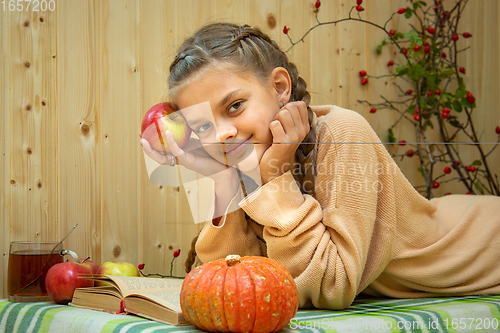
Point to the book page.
(169, 298)
(137, 285)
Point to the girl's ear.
(282, 84)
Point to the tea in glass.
(28, 266)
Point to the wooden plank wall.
(76, 82)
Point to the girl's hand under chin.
(289, 128)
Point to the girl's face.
(233, 126)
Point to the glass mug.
(28, 266)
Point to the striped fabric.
(458, 314)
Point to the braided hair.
(249, 50)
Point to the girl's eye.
(234, 107)
(203, 128)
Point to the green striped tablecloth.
(458, 314)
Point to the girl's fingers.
(277, 131)
(156, 156)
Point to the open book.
(152, 298)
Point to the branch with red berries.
(430, 66)
(175, 255)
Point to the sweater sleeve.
(325, 241)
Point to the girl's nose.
(225, 131)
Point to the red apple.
(93, 266)
(157, 120)
(62, 280)
(121, 268)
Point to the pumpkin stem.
(233, 259)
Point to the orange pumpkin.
(239, 294)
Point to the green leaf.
(447, 73)
(455, 123)
(401, 70)
(457, 106)
(460, 93)
(465, 102)
(392, 138)
(411, 109)
(478, 187)
(477, 162)
(408, 12)
(415, 72)
(411, 34)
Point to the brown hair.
(247, 49)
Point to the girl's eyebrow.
(227, 98)
(220, 105)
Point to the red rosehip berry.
(359, 8)
(468, 193)
(405, 51)
(437, 92)
(362, 73)
(467, 168)
(448, 193)
(373, 110)
(436, 9)
(176, 253)
(497, 130)
(469, 94)
(318, 3)
(471, 100)
(447, 170)
(390, 63)
(427, 49)
(417, 111)
(392, 32)
(430, 93)
(409, 92)
(461, 70)
(443, 55)
(455, 37)
(426, 44)
(409, 152)
(416, 117)
(472, 168)
(435, 184)
(359, 2)
(431, 30)
(364, 81)
(401, 10)
(457, 163)
(402, 143)
(285, 30)
(466, 35)
(446, 110)
(445, 115)
(417, 48)
(140, 266)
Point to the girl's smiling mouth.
(234, 148)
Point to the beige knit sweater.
(366, 230)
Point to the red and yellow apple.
(93, 266)
(62, 279)
(157, 120)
